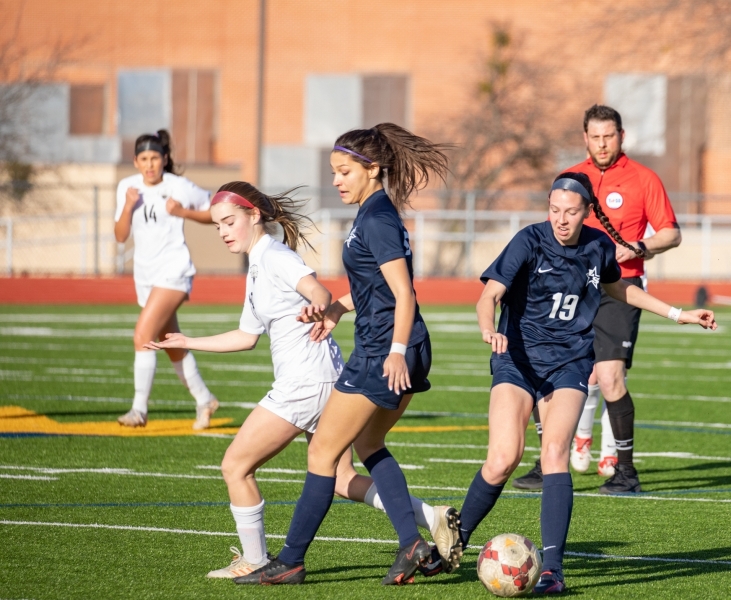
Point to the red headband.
(231, 198)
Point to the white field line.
(651, 328)
(51, 332)
(17, 375)
(34, 477)
(103, 399)
(66, 348)
(466, 461)
(332, 539)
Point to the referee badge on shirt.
(614, 200)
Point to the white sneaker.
(606, 466)
(445, 533)
(133, 418)
(203, 415)
(581, 454)
(238, 567)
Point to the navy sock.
(556, 504)
(317, 496)
(481, 497)
(394, 493)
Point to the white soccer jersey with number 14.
(272, 303)
(160, 250)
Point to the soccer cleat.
(551, 582)
(624, 481)
(238, 567)
(532, 480)
(606, 466)
(407, 562)
(581, 454)
(445, 533)
(275, 572)
(433, 565)
(204, 413)
(133, 418)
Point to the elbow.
(678, 238)
(120, 237)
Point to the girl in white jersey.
(280, 288)
(152, 205)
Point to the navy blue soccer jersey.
(378, 236)
(553, 295)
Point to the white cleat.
(445, 533)
(581, 454)
(238, 567)
(606, 466)
(203, 415)
(133, 418)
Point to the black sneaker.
(274, 572)
(532, 480)
(407, 562)
(433, 565)
(551, 582)
(624, 481)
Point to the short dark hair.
(599, 112)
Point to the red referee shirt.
(631, 196)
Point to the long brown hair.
(403, 158)
(585, 182)
(279, 208)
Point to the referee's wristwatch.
(643, 247)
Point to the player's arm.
(396, 274)
(319, 298)
(123, 226)
(231, 341)
(637, 297)
(176, 209)
(331, 318)
(491, 296)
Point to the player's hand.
(173, 340)
(397, 371)
(312, 313)
(321, 329)
(175, 208)
(700, 316)
(131, 198)
(498, 341)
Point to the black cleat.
(532, 480)
(274, 572)
(407, 562)
(624, 481)
(433, 565)
(551, 582)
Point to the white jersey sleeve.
(190, 195)
(249, 322)
(287, 268)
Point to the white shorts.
(300, 403)
(181, 284)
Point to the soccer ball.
(509, 565)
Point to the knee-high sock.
(481, 497)
(423, 512)
(557, 501)
(394, 493)
(539, 427)
(187, 371)
(250, 527)
(609, 448)
(622, 418)
(586, 421)
(145, 364)
(317, 496)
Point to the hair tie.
(231, 198)
(348, 151)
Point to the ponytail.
(405, 160)
(280, 209)
(158, 142)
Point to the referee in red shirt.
(632, 196)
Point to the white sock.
(608, 445)
(586, 421)
(250, 527)
(187, 370)
(145, 363)
(422, 511)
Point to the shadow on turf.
(695, 479)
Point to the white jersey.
(273, 302)
(160, 250)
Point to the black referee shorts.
(616, 327)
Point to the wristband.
(400, 348)
(674, 313)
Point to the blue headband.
(571, 185)
(344, 149)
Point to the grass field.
(85, 513)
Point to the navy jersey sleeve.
(385, 238)
(611, 271)
(517, 253)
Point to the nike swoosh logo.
(544, 270)
(348, 384)
(582, 385)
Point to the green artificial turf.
(74, 364)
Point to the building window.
(86, 110)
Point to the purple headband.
(348, 151)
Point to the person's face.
(151, 165)
(239, 229)
(566, 212)
(355, 183)
(603, 142)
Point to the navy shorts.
(574, 376)
(364, 375)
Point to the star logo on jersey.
(254, 271)
(592, 277)
(351, 237)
